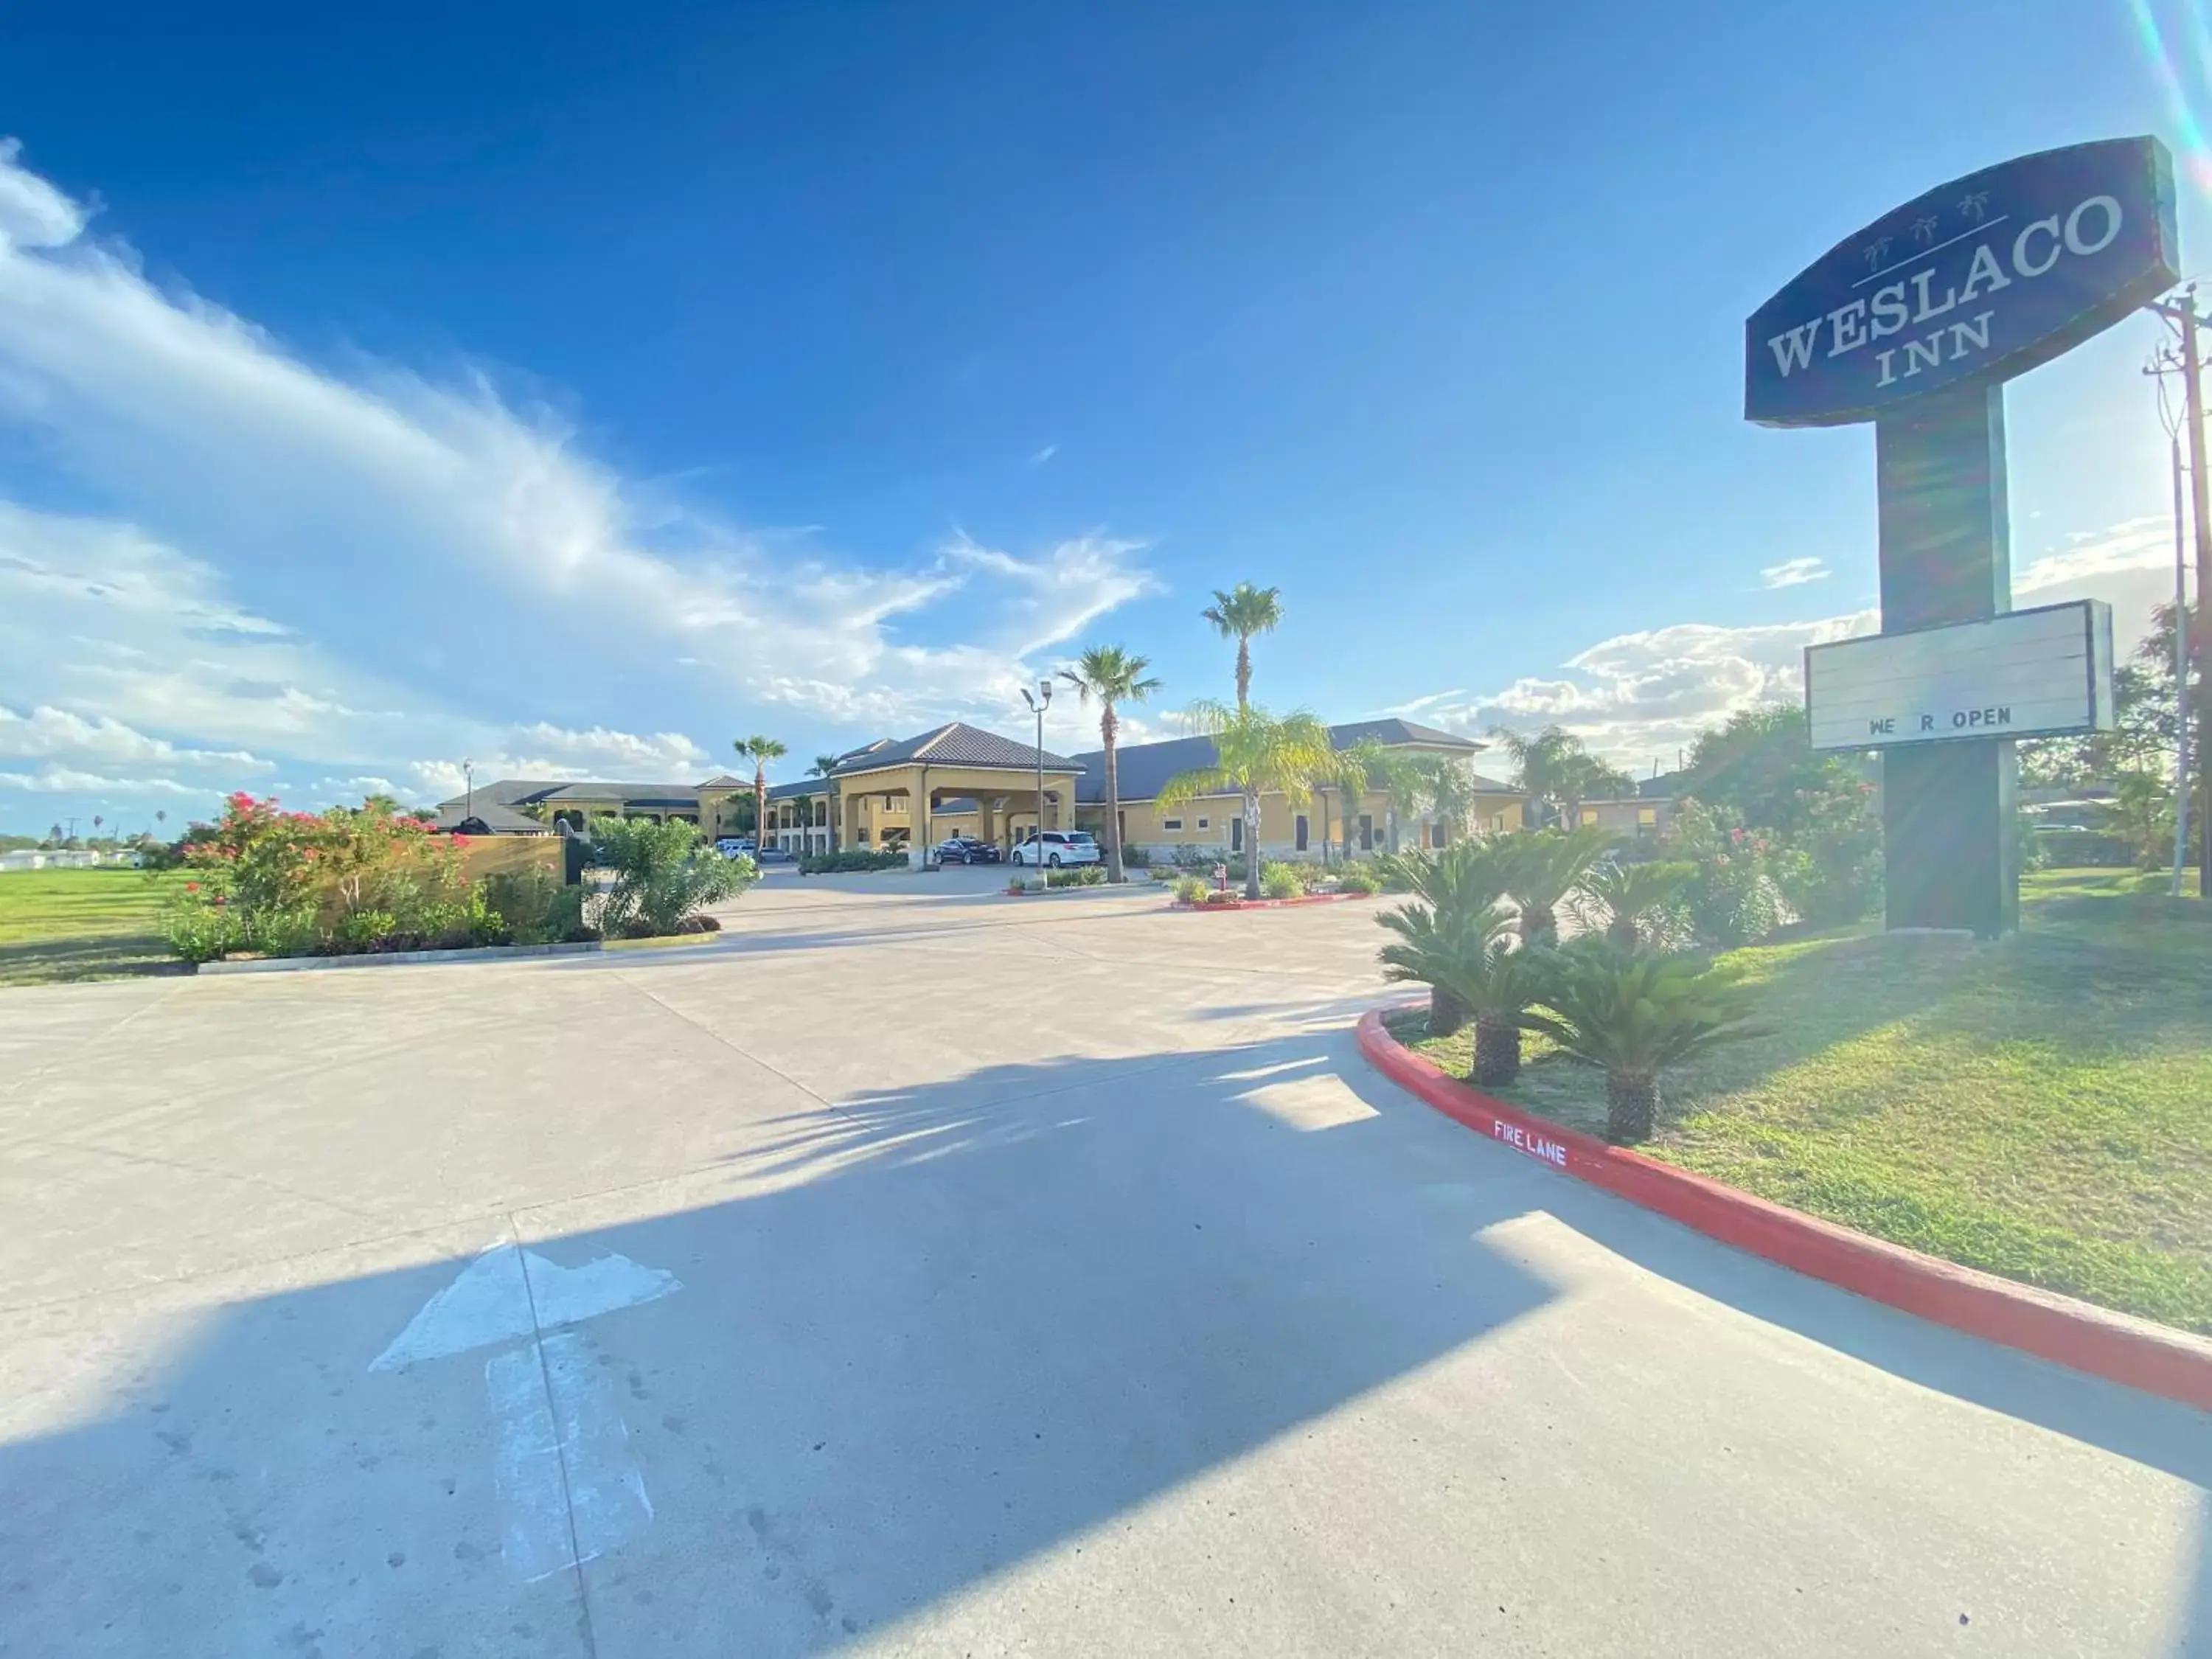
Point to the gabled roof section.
(1401, 731)
(1145, 768)
(725, 781)
(955, 744)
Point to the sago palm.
(1256, 753)
(1239, 614)
(1456, 891)
(1495, 978)
(1631, 895)
(1542, 868)
(1113, 676)
(1634, 1015)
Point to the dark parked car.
(966, 849)
(776, 855)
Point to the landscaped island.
(2039, 1106)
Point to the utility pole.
(2198, 655)
(2201, 505)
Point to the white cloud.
(32, 213)
(270, 528)
(1044, 454)
(67, 780)
(47, 732)
(1793, 573)
(1643, 697)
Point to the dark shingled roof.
(497, 819)
(794, 791)
(956, 745)
(1144, 768)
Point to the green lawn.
(2039, 1106)
(61, 925)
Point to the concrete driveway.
(919, 1270)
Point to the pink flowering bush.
(365, 878)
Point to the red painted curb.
(2075, 1334)
(1272, 904)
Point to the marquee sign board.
(1976, 282)
(2040, 673)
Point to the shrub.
(1136, 857)
(1634, 1015)
(1191, 890)
(1280, 881)
(1223, 896)
(203, 931)
(534, 907)
(663, 873)
(289, 883)
(1831, 871)
(1355, 881)
(1083, 875)
(850, 861)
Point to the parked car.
(965, 849)
(1058, 847)
(776, 855)
(731, 846)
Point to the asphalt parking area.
(920, 1271)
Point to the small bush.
(534, 907)
(852, 861)
(1083, 875)
(663, 874)
(1281, 881)
(1136, 857)
(1223, 896)
(1355, 881)
(1191, 890)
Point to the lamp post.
(1039, 700)
(468, 790)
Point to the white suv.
(1059, 846)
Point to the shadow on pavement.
(939, 1330)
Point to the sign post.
(1915, 323)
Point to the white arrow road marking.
(563, 1458)
(492, 1302)
(563, 1469)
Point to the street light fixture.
(469, 790)
(1039, 700)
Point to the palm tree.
(1544, 867)
(1454, 891)
(1495, 978)
(823, 767)
(1355, 774)
(760, 751)
(1635, 1016)
(1632, 896)
(1399, 776)
(1554, 768)
(1239, 614)
(1256, 753)
(1113, 676)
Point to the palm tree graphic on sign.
(1877, 252)
(1975, 205)
(1923, 228)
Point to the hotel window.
(1177, 824)
(1206, 824)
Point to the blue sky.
(573, 391)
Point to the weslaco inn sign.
(2040, 673)
(1980, 279)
